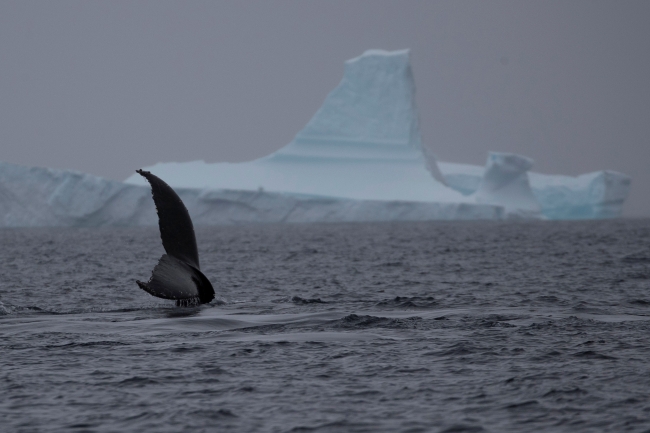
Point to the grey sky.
(108, 87)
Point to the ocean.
(382, 327)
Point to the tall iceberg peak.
(374, 103)
(370, 115)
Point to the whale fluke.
(177, 275)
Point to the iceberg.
(360, 158)
(505, 182)
(363, 144)
(596, 195)
(43, 197)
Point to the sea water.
(413, 327)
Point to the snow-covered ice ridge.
(360, 158)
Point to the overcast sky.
(107, 87)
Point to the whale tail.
(175, 279)
(177, 275)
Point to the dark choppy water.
(443, 327)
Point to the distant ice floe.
(360, 158)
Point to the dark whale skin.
(178, 274)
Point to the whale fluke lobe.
(174, 279)
(176, 228)
(177, 275)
